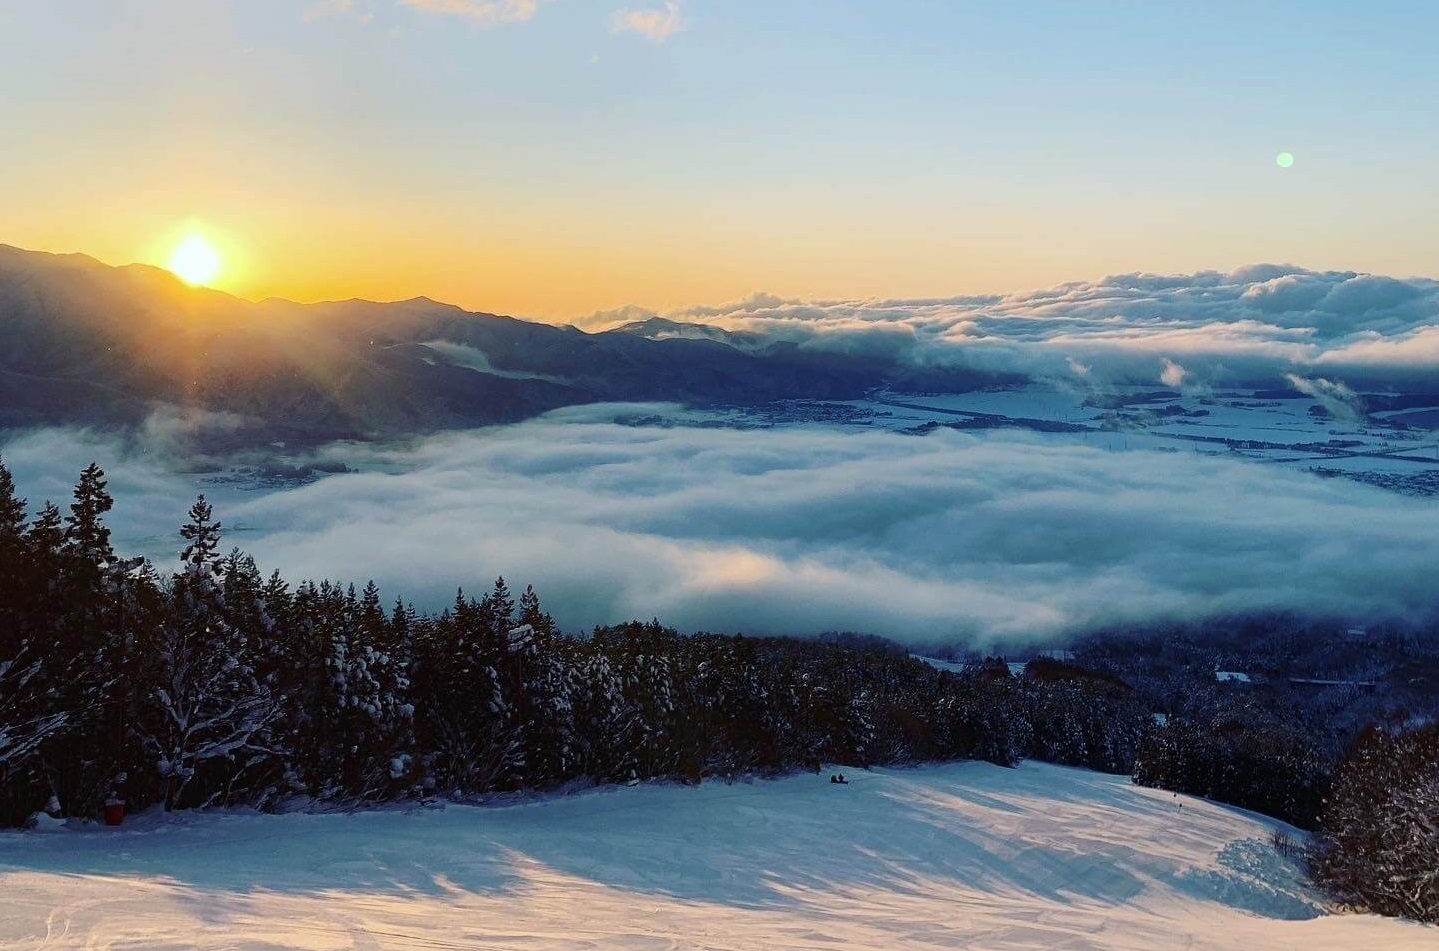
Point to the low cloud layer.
(799, 531)
(1200, 329)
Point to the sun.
(195, 260)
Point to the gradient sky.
(535, 157)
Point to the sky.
(553, 158)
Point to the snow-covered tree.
(542, 687)
(1379, 834)
(466, 715)
(26, 719)
(208, 715)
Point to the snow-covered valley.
(965, 855)
(1329, 434)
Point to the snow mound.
(959, 856)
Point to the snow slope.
(958, 856)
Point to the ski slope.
(958, 856)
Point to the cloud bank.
(800, 531)
(1194, 330)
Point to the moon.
(1284, 159)
(195, 261)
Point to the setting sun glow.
(195, 261)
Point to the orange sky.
(541, 160)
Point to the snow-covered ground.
(1398, 450)
(958, 856)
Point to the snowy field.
(958, 856)
(1397, 450)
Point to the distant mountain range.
(88, 344)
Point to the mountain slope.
(959, 856)
(87, 343)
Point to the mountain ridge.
(97, 345)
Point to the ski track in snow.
(964, 855)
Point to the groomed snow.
(958, 856)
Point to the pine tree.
(12, 509)
(540, 698)
(86, 535)
(27, 717)
(1379, 834)
(371, 698)
(82, 603)
(497, 610)
(47, 536)
(533, 615)
(462, 695)
(208, 717)
(202, 538)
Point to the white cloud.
(458, 354)
(1263, 321)
(1339, 399)
(1417, 349)
(795, 531)
(484, 12)
(654, 24)
(1173, 375)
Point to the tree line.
(214, 684)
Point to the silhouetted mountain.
(86, 343)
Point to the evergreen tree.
(541, 697)
(86, 535)
(82, 606)
(1379, 835)
(462, 701)
(534, 616)
(27, 717)
(202, 539)
(208, 717)
(12, 510)
(497, 610)
(47, 537)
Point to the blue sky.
(533, 157)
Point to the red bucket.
(114, 812)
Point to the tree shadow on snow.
(751, 845)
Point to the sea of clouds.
(1188, 331)
(798, 530)
(981, 535)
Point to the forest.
(214, 684)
